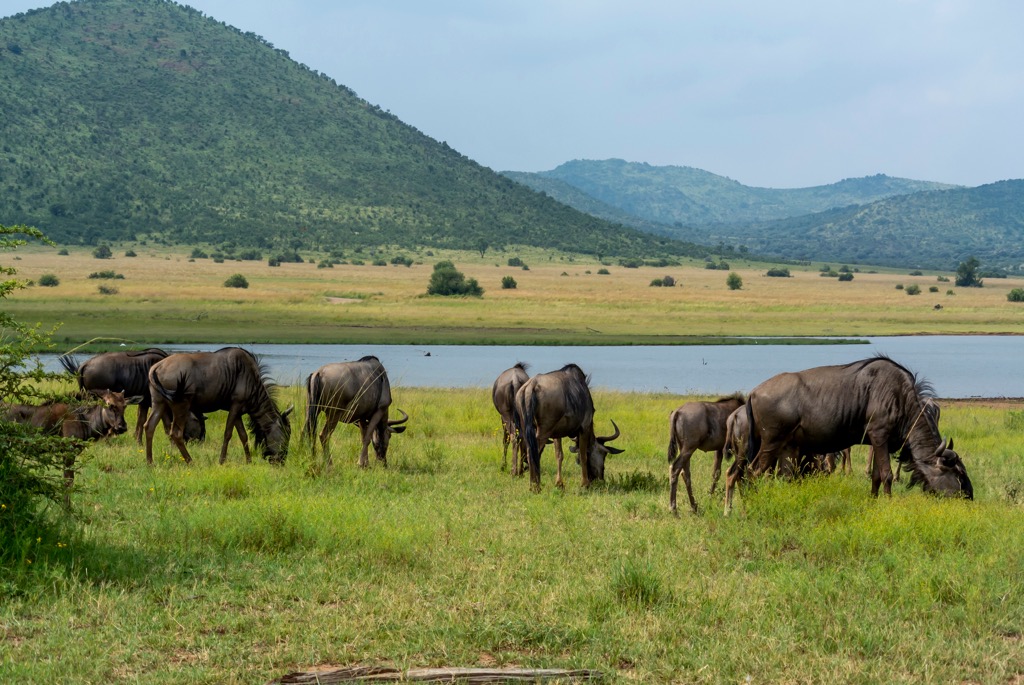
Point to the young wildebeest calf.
(85, 422)
(697, 426)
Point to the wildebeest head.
(943, 474)
(599, 449)
(382, 436)
(275, 442)
(112, 410)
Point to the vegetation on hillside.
(146, 120)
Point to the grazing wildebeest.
(558, 405)
(872, 401)
(737, 433)
(230, 379)
(697, 426)
(503, 394)
(127, 372)
(352, 392)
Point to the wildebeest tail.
(529, 430)
(753, 437)
(70, 365)
(314, 390)
(673, 448)
(179, 392)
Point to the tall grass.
(240, 573)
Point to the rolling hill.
(146, 119)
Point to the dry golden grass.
(166, 297)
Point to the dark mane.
(522, 365)
(576, 371)
(369, 358)
(149, 350)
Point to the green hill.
(684, 196)
(145, 119)
(935, 229)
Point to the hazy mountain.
(145, 118)
(684, 196)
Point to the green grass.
(242, 573)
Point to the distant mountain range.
(872, 220)
(147, 120)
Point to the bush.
(734, 281)
(379, 262)
(933, 289)
(899, 286)
(107, 290)
(325, 264)
(913, 289)
(508, 283)
(631, 263)
(1015, 295)
(916, 273)
(63, 252)
(250, 255)
(102, 252)
(515, 261)
(109, 274)
(197, 253)
(236, 281)
(603, 272)
(401, 260)
(668, 281)
(720, 266)
(447, 280)
(846, 276)
(49, 281)
(273, 261)
(778, 273)
(942, 279)
(657, 283)
(130, 253)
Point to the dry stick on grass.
(469, 676)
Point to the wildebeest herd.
(792, 423)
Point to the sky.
(781, 94)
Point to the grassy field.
(241, 573)
(165, 298)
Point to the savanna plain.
(240, 573)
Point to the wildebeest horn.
(396, 425)
(609, 438)
(134, 399)
(288, 411)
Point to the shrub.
(49, 281)
(631, 263)
(720, 266)
(899, 286)
(913, 289)
(846, 276)
(942, 279)
(357, 262)
(916, 273)
(1015, 295)
(325, 264)
(108, 290)
(102, 252)
(236, 281)
(447, 280)
(380, 262)
(108, 274)
(63, 252)
(603, 272)
(657, 283)
(250, 255)
(130, 253)
(515, 261)
(197, 253)
(734, 281)
(401, 260)
(778, 273)
(508, 283)
(933, 289)
(273, 261)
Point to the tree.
(508, 283)
(967, 273)
(447, 280)
(734, 281)
(102, 252)
(33, 466)
(236, 281)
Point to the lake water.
(957, 366)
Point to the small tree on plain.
(967, 273)
(447, 280)
(734, 281)
(508, 283)
(102, 252)
(236, 281)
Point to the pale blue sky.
(785, 93)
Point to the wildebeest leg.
(583, 450)
(559, 483)
(505, 439)
(732, 476)
(141, 422)
(881, 473)
(847, 462)
(330, 423)
(243, 437)
(177, 434)
(156, 417)
(717, 473)
(234, 415)
(681, 465)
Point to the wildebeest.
(503, 394)
(82, 422)
(558, 405)
(230, 379)
(79, 422)
(697, 426)
(356, 392)
(127, 372)
(873, 401)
